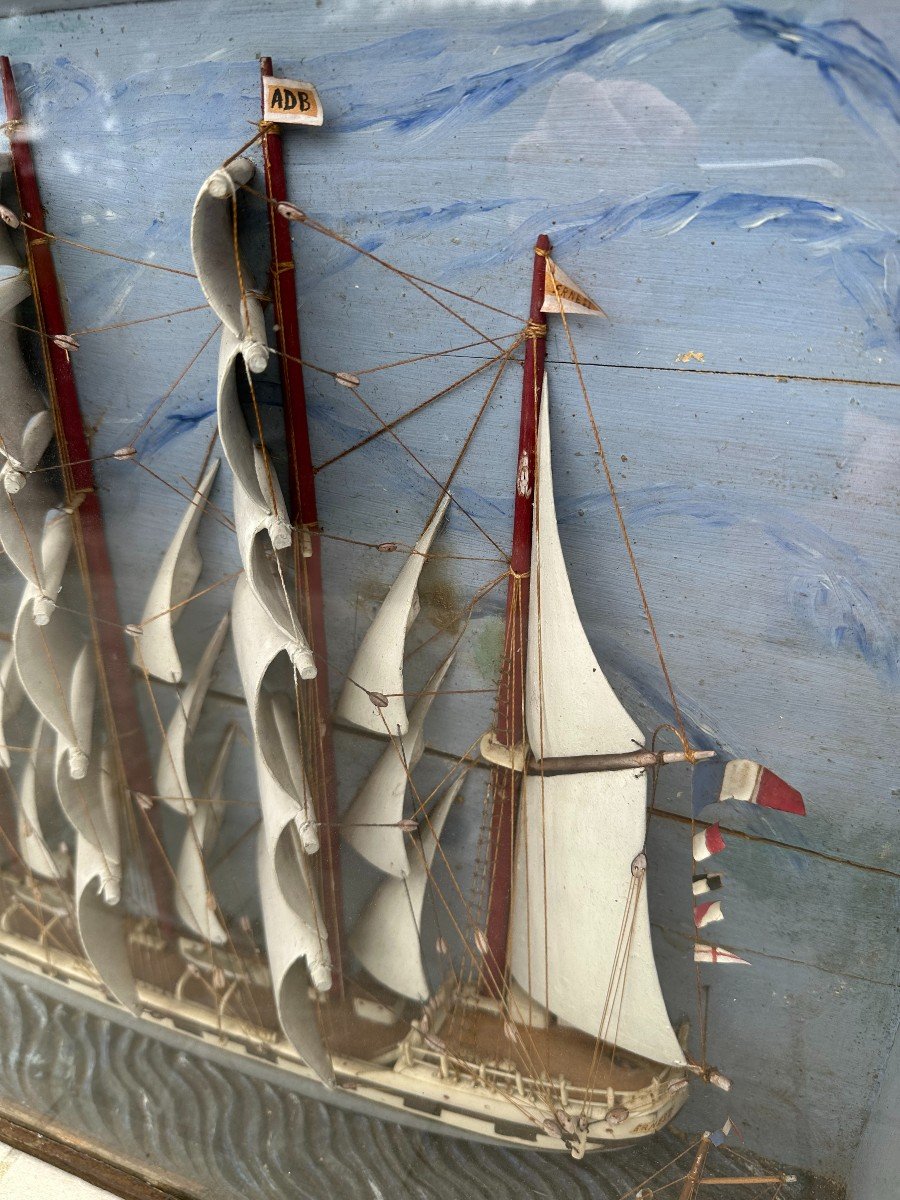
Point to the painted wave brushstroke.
(232, 1136)
(861, 74)
(858, 67)
(861, 251)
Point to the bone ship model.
(545, 1026)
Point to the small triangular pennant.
(562, 294)
(718, 1138)
(715, 954)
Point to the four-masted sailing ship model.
(548, 1029)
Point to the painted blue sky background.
(723, 178)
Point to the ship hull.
(421, 1087)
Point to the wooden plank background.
(723, 179)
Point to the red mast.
(510, 730)
(75, 457)
(304, 513)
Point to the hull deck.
(476, 1083)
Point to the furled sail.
(37, 795)
(171, 781)
(219, 269)
(371, 824)
(297, 952)
(378, 663)
(387, 937)
(193, 899)
(574, 889)
(172, 585)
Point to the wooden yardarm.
(304, 515)
(510, 727)
(74, 451)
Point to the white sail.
(371, 824)
(387, 937)
(173, 583)
(238, 444)
(90, 806)
(171, 781)
(101, 926)
(573, 887)
(11, 696)
(283, 820)
(263, 531)
(263, 508)
(258, 644)
(284, 716)
(378, 663)
(37, 538)
(297, 952)
(193, 898)
(37, 795)
(56, 667)
(101, 918)
(219, 270)
(26, 425)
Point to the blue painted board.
(722, 178)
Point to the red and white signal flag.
(706, 914)
(741, 779)
(708, 842)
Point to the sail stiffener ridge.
(261, 536)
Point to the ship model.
(548, 1028)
